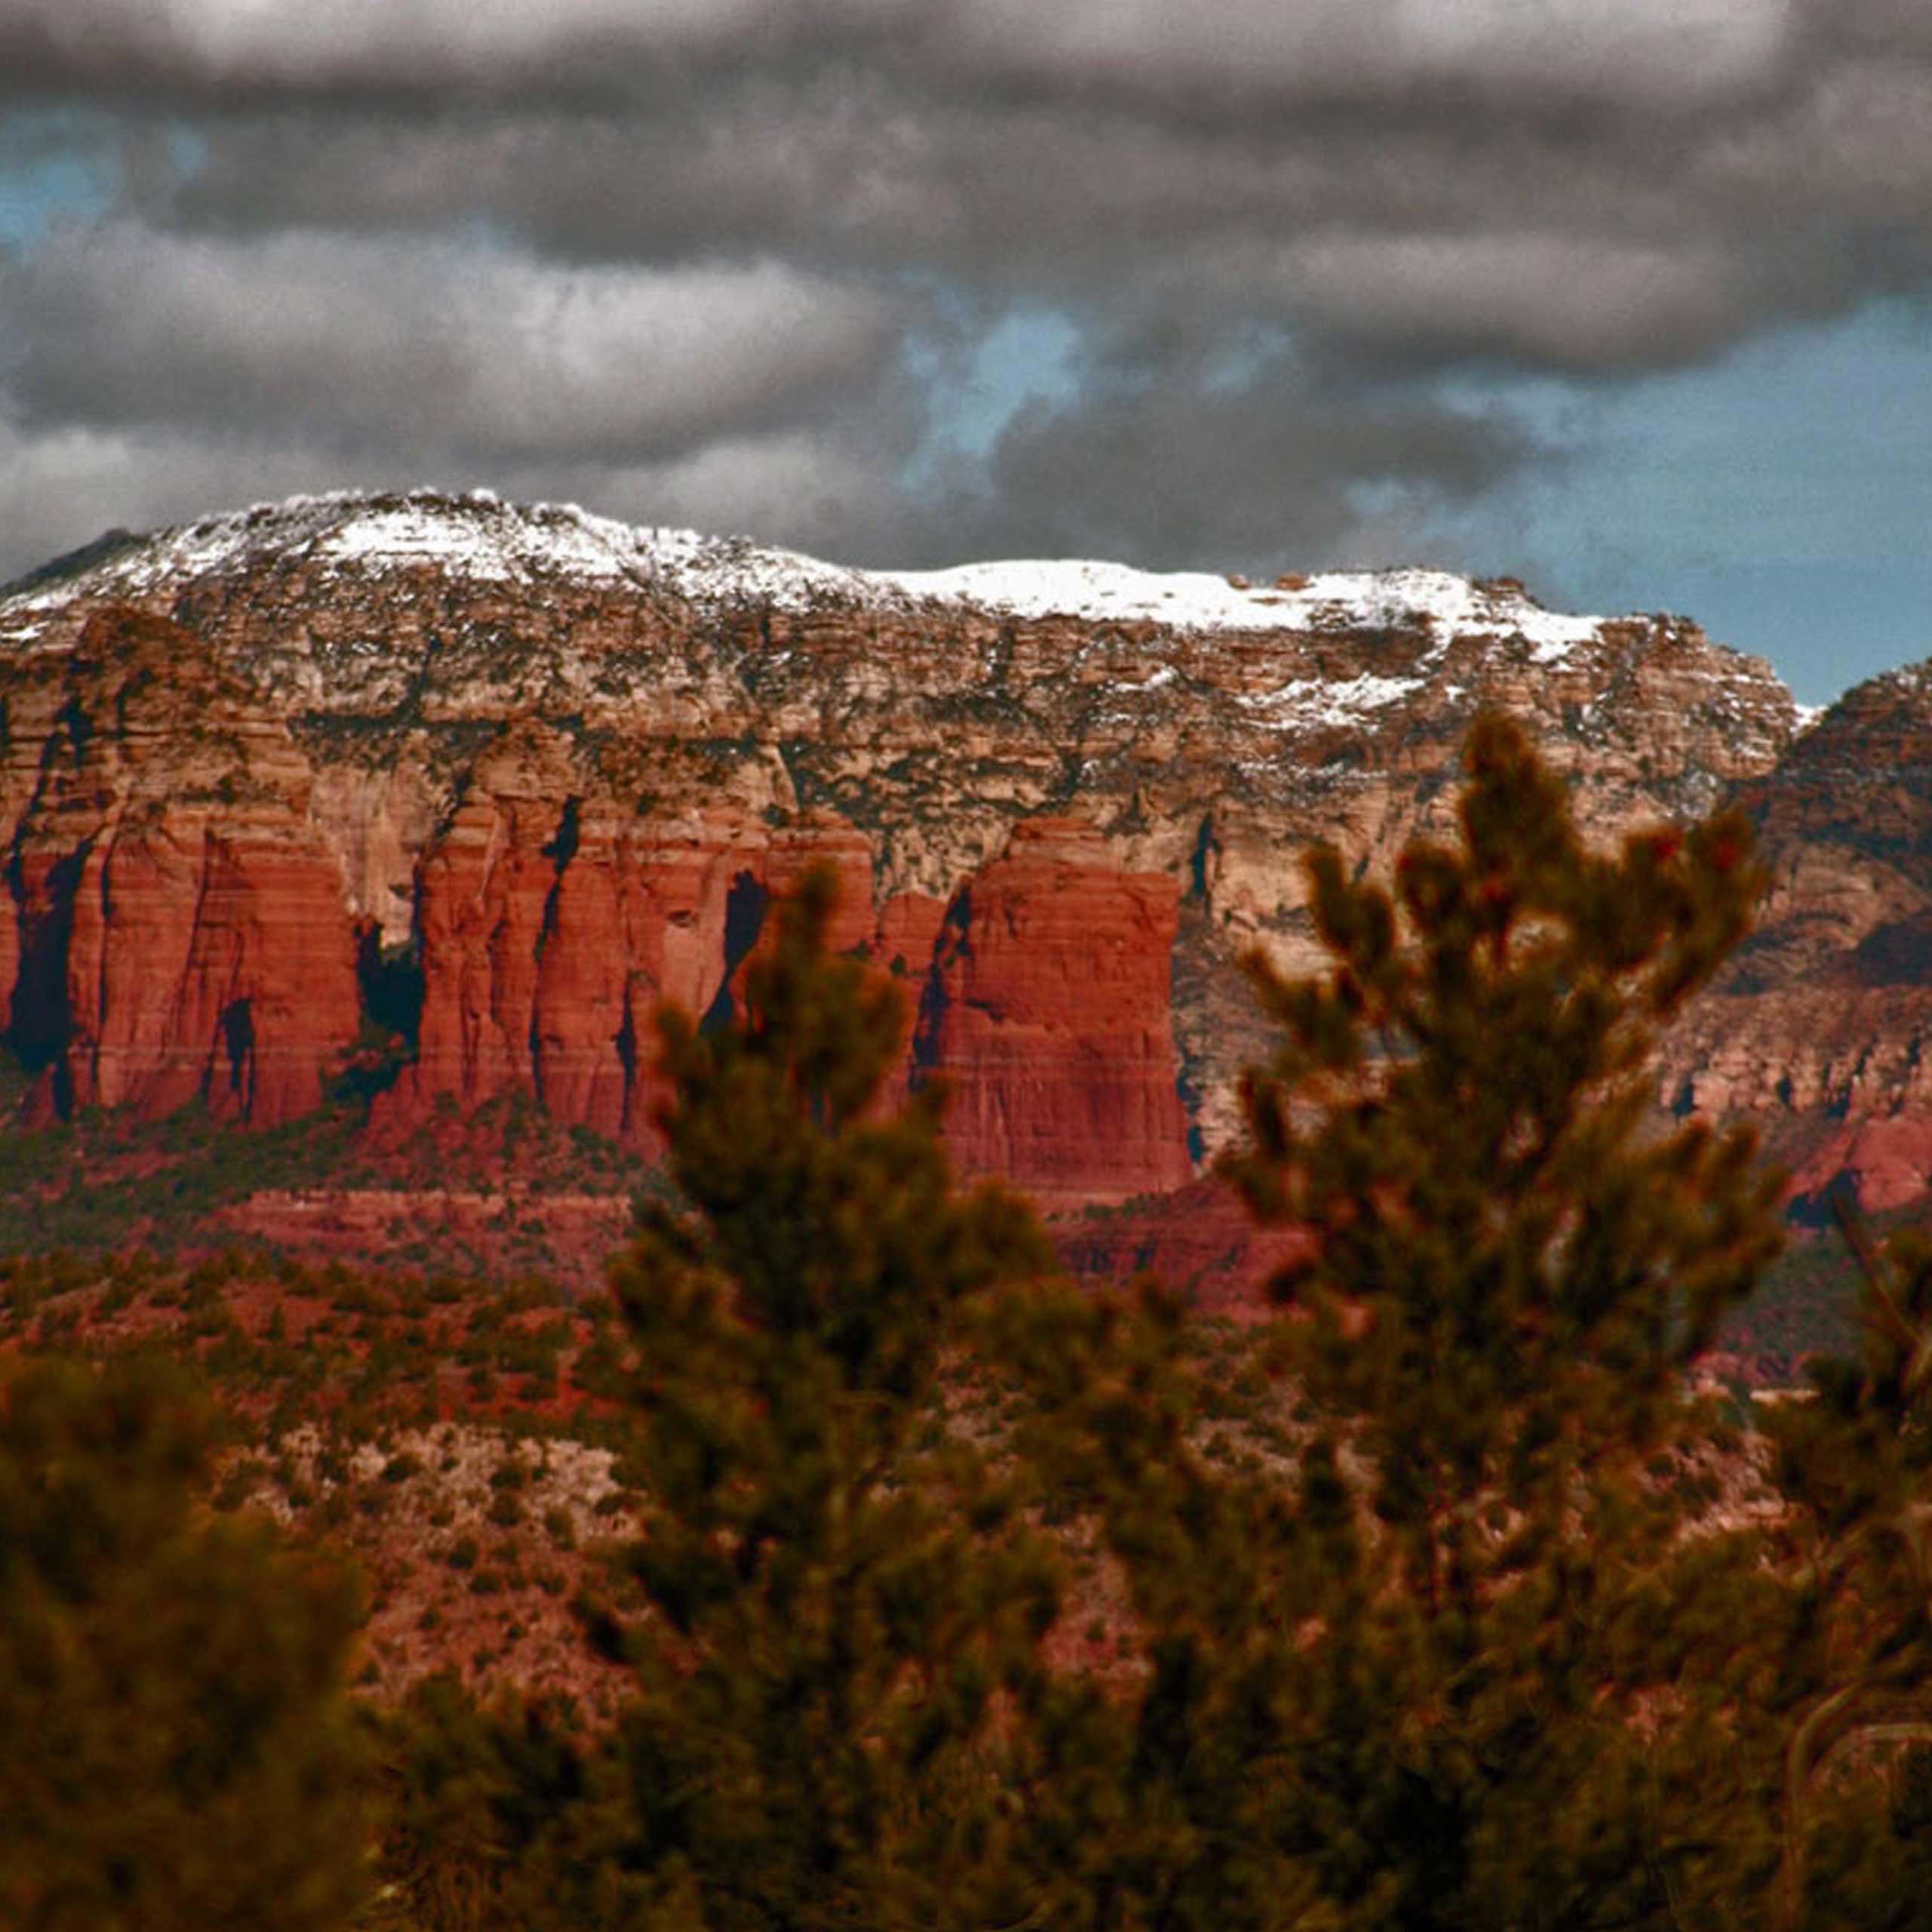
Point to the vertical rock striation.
(1048, 1009)
(468, 790)
(178, 925)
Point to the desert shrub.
(184, 1754)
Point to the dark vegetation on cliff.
(439, 798)
(941, 1593)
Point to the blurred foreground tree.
(496, 1818)
(1532, 1696)
(847, 1599)
(1459, 1661)
(179, 1750)
(1856, 1464)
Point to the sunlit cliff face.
(547, 770)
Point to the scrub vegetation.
(903, 1584)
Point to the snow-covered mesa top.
(1195, 600)
(478, 537)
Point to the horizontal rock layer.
(1822, 1031)
(444, 797)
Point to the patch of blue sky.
(187, 148)
(54, 168)
(974, 387)
(1781, 494)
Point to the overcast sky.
(1630, 297)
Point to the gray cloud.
(351, 340)
(1798, 200)
(388, 47)
(1539, 296)
(1670, 50)
(685, 259)
(1266, 474)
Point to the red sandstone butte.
(179, 929)
(482, 892)
(550, 934)
(209, 958)
(1049, 1016)
(579, 1046)
(550, 931)
(777, 869)
(679, 892)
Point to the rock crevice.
(452, 795)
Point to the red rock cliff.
(179, 929)
(549, 938)
(545, 772)
(1822, 1031)
(1048, 1010)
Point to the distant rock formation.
(1822, 1031)
(452, 794)
(178, 924)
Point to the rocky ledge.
(445, 795)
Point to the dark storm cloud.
(690, 258)
(216, 50)
(1263, 476)
(1639, 50)
(1786, 173)
(1559, 51)
(353, 339)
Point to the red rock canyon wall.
(175, 929)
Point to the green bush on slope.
(181, 1752)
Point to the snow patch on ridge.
(475, 547)
(479, 538)
(1193, 600)
(1316, 701)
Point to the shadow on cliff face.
(390, 980)
(929, 1021)
(1898, 954)
(744, 920)
(39, 1021)
(238, 1040)
(389, 983)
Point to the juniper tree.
(1511, 1267)
(1458, 1664)
(1855, 1465)
(180, 1750)
(495, 1818)
(846, 1603)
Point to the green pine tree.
(846, 1599)
(1462, 1664)
(496, 1818)
(1855, 1463)
(180, 1755)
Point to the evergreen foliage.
(1479, 1615)
(1462, 1663)
(181, 1755)
(494, 1818)
(847, 1599)
(1856, 1464)
(1509, 1270)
